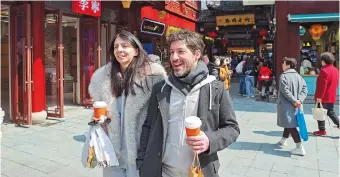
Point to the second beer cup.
(99, 109)
(192, 125)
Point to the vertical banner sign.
(87, 7)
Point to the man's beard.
(182, 73)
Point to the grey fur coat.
(292, 88)
(135, 106)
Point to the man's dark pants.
(330, 113)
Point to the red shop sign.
(87, 7)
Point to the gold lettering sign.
(228, 20)
(172, 29)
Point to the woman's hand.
(298, 104)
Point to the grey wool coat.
(135, 106)
(292, 87)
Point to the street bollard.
(2, 114)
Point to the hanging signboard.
(87, 7)
(152, 27)
(229, 20)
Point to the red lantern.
(212, 34)
(263, 33)
(259, 41)
(224, 41)
(316, 31)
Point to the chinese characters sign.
(87, 7)
(228, 20)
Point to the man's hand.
(198, 143)
(297, 104)
(318, 100)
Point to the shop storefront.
(41, 49)
(307, 32)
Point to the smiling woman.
(127, 55)
(125, 85)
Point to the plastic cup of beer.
(192, 125)
(99, 109)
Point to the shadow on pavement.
(279, 134)
(80, 138)
(269, 133)
(265, 148)
(330, 137)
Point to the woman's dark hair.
(328, 58)
(125, 81)
(290, 61)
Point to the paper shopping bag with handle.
(195, 170)
(319, 114)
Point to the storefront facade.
(50, 49)
(174, 16)
(304, 31)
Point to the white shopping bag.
(88, 163)
(105, 155)
(319, 114)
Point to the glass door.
(89, 54)
(21, 63)
(54, 64)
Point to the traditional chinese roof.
(228, 6)
(206, 16)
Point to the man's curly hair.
(193, 40)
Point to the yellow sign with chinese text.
(172, 29)
(229, 20)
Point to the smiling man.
(189, 90)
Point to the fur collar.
(100, 86)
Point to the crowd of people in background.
(256, 73)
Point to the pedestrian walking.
(165, 149)
(292, 93)
(249, 72)
(125, 85)
(265, 77)
(225, 74)
(326, 88)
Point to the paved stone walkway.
(53, 149)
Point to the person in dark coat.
(326, 88)
(249, 72)
(292, 93)
(165, 150)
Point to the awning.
(305, 18)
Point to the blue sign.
(148, 47)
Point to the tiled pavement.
(54, 150)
